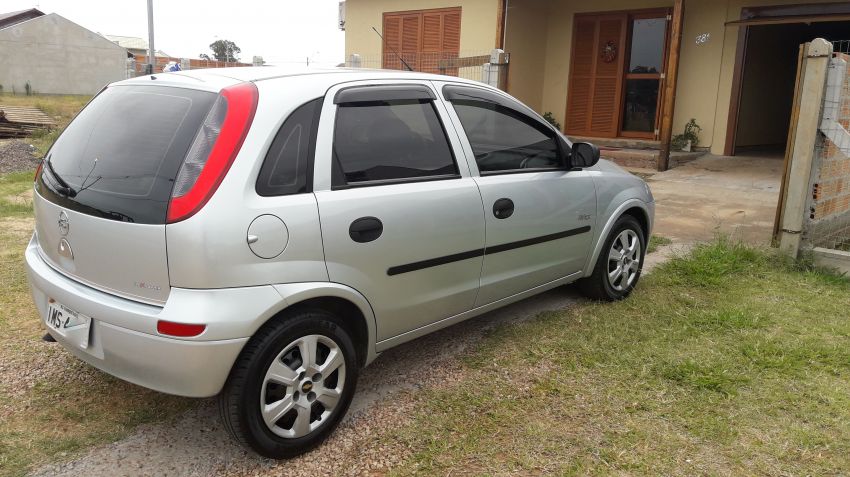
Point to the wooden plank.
(24, 115)
(789, 19)
(669, 101)
(737, 90)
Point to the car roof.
(219, 77)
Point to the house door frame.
(775, 14)
(661, 76)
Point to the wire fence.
(828, 224)
(487, 67)
(841, 46)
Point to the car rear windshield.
(120, 155)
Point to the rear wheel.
(619, 266)
(291, 386)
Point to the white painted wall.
(57, 56)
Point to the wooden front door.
(616, 74)
(593, 105)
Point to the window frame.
(376, 93)
(311, 150)
(471, 94)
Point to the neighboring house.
(55, 55)
(601, 67)
(134, 45)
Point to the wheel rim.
(624, 260)
(302, 386)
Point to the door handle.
(503, 208)
(365, 229)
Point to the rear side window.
(503, 139)
(390, 141)
(288, 166)
(122, 152)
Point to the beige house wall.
(724, 98)
(539, 38)
(526, 37)
(477, 28)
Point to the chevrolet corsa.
(262, 235)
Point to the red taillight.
(181, 330)
(213, 150)
(38, 171)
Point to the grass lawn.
(725, 362)
(51, 405)
(62, 108)
(656, 242)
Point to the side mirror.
(584, 155)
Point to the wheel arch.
(344, 302)
(634, 207)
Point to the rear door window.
(122, 152)
(389, 141)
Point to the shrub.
(554, 122)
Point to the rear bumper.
(123, 340)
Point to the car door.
(539, 212)
(402, 219)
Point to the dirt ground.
(734, 195)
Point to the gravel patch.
(17, 156)
(196, 444)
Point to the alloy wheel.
(302, 386)
(624, 260)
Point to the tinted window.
(288, 164)
(505, 140)
(122, 152)
(390, 140)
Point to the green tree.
(225, 50)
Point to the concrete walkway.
(735, 196)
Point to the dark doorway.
(767, 82)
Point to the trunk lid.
(102, 197)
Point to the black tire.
(239, 400)
(598, 286)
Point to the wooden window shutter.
(451, 38)
(411, 39)
(581, 77)
(392, 42)
(423, 38)
(432, 42)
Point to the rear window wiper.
(64, 188)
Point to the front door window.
(643, 78)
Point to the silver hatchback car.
(262, 235)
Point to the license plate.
(70, 324)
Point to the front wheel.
(291, 385)
(620, 262)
